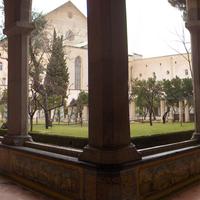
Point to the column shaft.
(109, 130)
(193, 24)
(17, 28)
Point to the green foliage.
(82, 98)
(4, 97)
(81, 101)
(147, 94)
(3, 103)
(38, 46)
(180, 4)
(176, 90)
(57, 76)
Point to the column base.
(16, 140)
(196, 136)
(110, 156)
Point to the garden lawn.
(137, 129)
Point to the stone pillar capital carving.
(19, 27)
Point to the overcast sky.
(153, 26)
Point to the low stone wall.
(66, 178)
(161, 139)
(140, 142)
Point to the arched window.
(78, 73)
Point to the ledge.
(168, 147)
(54, 149)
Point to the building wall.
(65, 19)
(68, 17)
(165, 67)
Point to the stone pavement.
(191, 192)
(9, 190)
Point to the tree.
(181, 5)
(176, 90)
(38, 46)
(82, 100)
(53, 90)
(147, 91)
(3, 102)
(32, 106)
(172, 94)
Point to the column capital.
(19, 27)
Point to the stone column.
(85, 113)
(109, 130)
(162, 108)
(187, 112)
(180, 111)
(193, 24)
(17, 28)
(132, 111)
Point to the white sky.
(153, 25)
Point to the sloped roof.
(69, 3)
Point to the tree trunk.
(165, 115)
(81, 119)
(31, 123)
(46, 114)
(150, 118)
(154, 116)
(59, 118)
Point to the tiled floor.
(9, 190)
(12, 191)
(191, 192)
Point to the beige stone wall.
(65, 19)
(68, 17)
(165, 67)
(72, 54)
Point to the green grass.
(137, 129)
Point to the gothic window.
(186, 72)
(78, 73)
(167, 72)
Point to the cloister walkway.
(10, 190)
